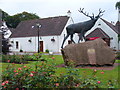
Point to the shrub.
(21, 58)
(43, 75)
(21, 50)
(47, 51)
(13, 58)
(118, 55)
(28, 77)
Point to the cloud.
(49, 8)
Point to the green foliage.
(118, 38)
(117, 5)
(13, 59)
(21, 50)
(118, 55)
(28, 77)
(22, 58)
(13, 21)
(47, 51)
(4, 14)
(42, 75)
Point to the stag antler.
(81, 11)
(100, 11)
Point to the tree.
(5, 41)
(117, 5)
(3, 14)
(13, 21)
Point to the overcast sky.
(51, 8)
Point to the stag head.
(92, 17)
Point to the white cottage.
(51, 34)
(53, 30)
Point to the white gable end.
(108, 30)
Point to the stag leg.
(72, 38)
(64, 40)
(84, 37)
(81, 36)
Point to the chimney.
(69, 13)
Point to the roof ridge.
(110, 25)
(46, 18)
(107, 22)
(41, 19)
(50, 26)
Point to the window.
(17, 44)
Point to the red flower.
(57, 84)
(3, 83)
(98, 82)
(19, 68)
(17, 89)
(16, 74)
(15, 71)
(13, 63)
(102, 72)
(53, 57)
(32, 72)
(6, 82)
(24, 66)
(77, 85)
(8, 61)
(31, 75)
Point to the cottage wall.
(23, 44)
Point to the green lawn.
(108, 74)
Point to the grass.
(108, 74)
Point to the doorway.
(41, 46)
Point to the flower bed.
(44, 74)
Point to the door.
(41, 46)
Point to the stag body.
(81, 27)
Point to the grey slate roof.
(98, 32)
(49, 26)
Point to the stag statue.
(81, 27)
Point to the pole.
(38, 41)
